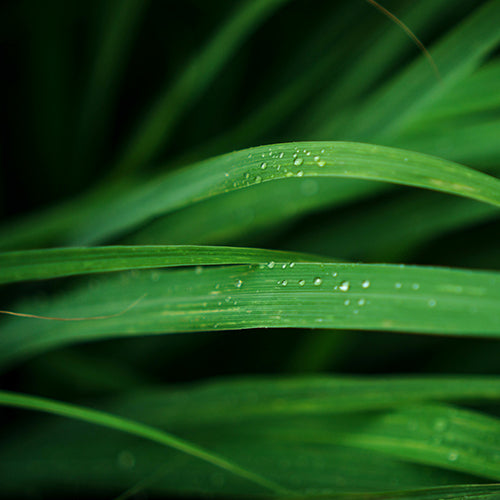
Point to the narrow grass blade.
(396, 227)
(279, 295)
(135, 428)
(153, 132)
(112, 212)
(462, 492)
(119, 23)
(284, 397)
(384, 48)
(58, 457)
(246, 168)
(431, 434)
(478, 92)
(469, 140)
(249, 214)
(57, 262)
(407, 97)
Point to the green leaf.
(289, 428)
(119, 23)
(406, 98)
(279, 295)
(270, 163)
(57, 262)
(155, 128)
(134, 428)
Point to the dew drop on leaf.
(344, 286)
(317, 281)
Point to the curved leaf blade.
(135, 428)
(246, 168)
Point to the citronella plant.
(250, 249)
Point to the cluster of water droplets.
(414, 287)
(277, 164)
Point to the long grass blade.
(153, 132)
(276, 295)
(57, 262)
(246, 168)
(135, 428)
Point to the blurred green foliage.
(102, 97)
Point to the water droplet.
(283, 266)
(355, 311)
(317, 281)
(308, 153)
(321, 163)
(432, 303)
(247, 175)
(250, 155)
(281, 155)
(365, 284)
(361, 302)
(284, 283)
(258, 179)
(298, 162)
(226, 174)
(335, 274)
(263, 166)
(453, 456)
(292, 265)
(347, 302)
(398, 285)
(302, 282)
(316, 158)
(238, 283)
(270, 265)
(300, 173)
(322, 151)
(415, 286)
(344, 286)
(289, 174)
